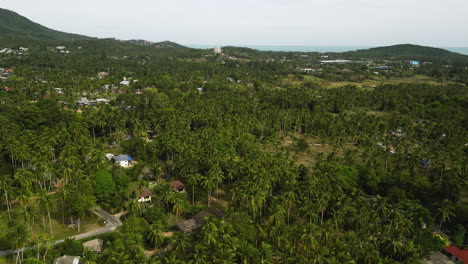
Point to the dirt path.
(112, 222)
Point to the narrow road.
(112, 222)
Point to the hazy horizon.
(360, 23)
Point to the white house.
(61, 47)
(123, 160)
(145, 195)
(125, 83)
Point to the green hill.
(409, 52)
(13, 25)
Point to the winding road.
(112, 222)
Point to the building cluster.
(94, 246)
(85, 102)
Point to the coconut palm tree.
(45, 203)
(155, 235)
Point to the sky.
(258, 22)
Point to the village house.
(199, 219)
(178, 186)
(94, 245)
(127, 83)
(83, 102)
(187, 226)
(457, 254)
(102, 75)
(145, 194)
(67, 260)
(123, 160)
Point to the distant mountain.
(13, 25)
(409, 52)
(163, 44)
(17, 30)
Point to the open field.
(370, 83)
(60, 231)
(309, 156)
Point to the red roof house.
(460, 254)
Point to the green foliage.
(301, 144)
(104, 187)
(459, 233)
(70, 247)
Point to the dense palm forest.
(301, 172)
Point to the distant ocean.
(462, 50)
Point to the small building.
(202, 215)
(61, 47)
(102, 101)
(145, 195)
(456, 253)
(67, 260)
(178, 186)
(187, 226)
(127, 83)
(83, 101)
(123, 160)
(218, 50)
(198, 220)
(58, 90)
(425, 163)
(94, 245)
(102, 75)
(414, 63)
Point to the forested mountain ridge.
(409, 52)
(16, 30)
(13, 25)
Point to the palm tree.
(155, 235)
(193, 181)
(209, 183)
(45, 202)
(217, 175)
(181, 243)
(289, 202)
(5, 185)
(24, 178)
(177, 207)
(18, 235)
(445, 212)
(29, 214)
(23, 195)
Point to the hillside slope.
(409, 52)
(13, 25)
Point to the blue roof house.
(123, 160)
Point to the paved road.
(112, 222)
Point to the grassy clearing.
(369, 83)
(60, 231)
(309, 156)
